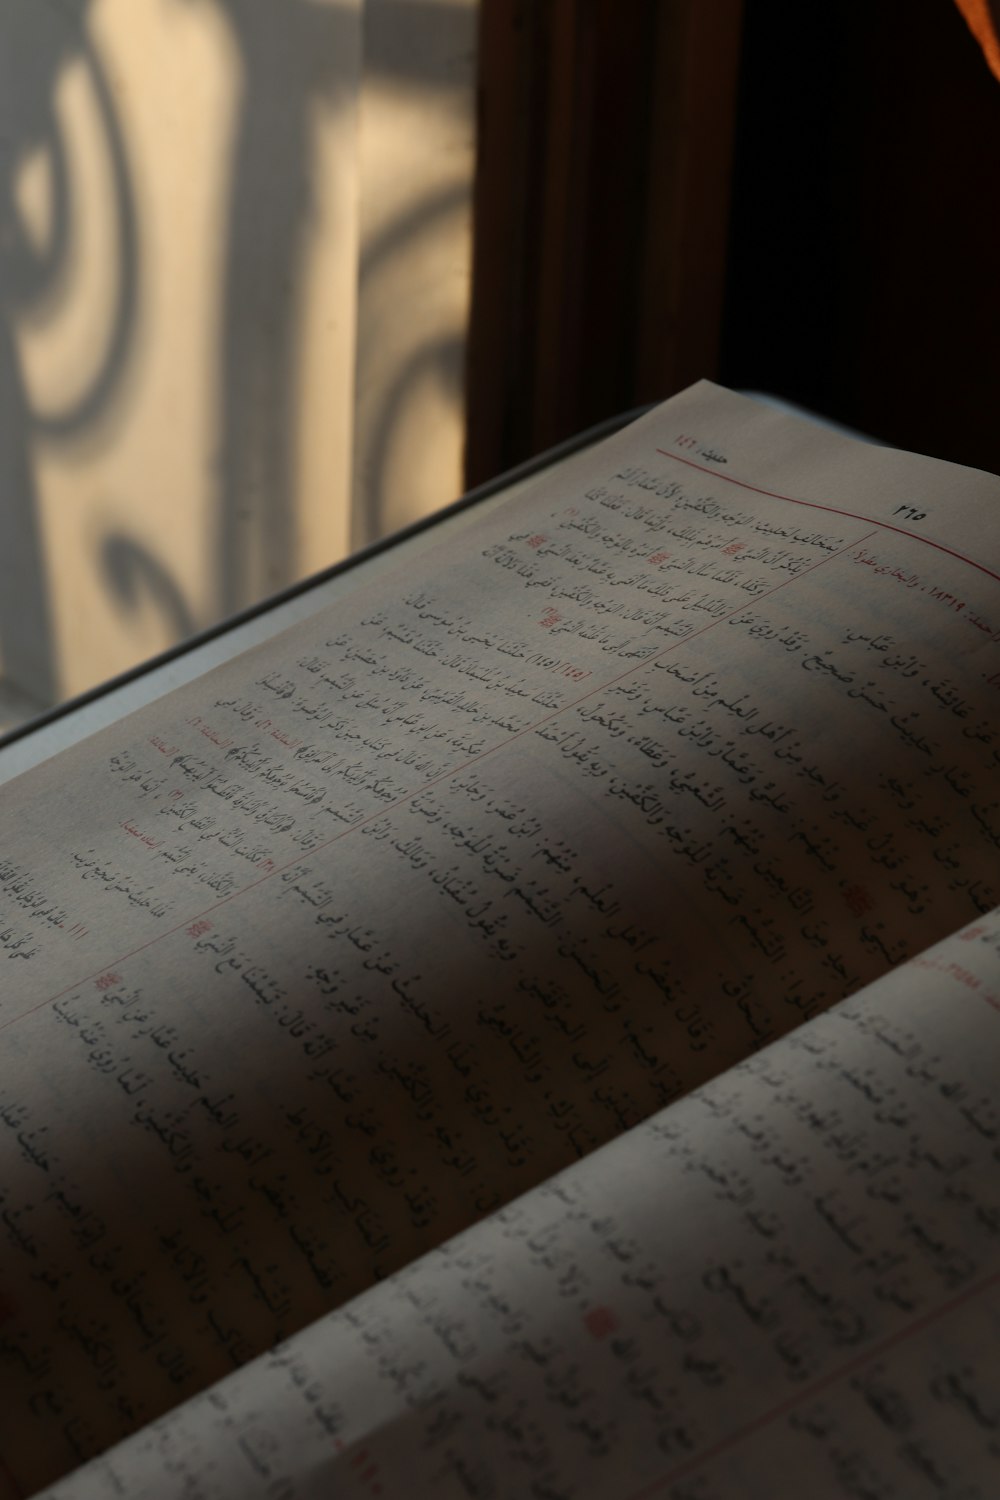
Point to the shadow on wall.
(437, 361)
(134, 577)
(38, 41)
(291, 53)
(292, 57)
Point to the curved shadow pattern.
(292, 57)
(110, 369)
(292, 54)
(439, 360)
(404, 229)
(134, 576)
(39, 41)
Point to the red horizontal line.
(852, 515)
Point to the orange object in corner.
(983, 20)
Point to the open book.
(533, 1030)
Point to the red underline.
(834, 510)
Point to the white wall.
(234, 273)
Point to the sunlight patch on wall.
(34, 196)
(234, 265)
(63, 328)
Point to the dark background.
(791, 198)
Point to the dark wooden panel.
(601, 205)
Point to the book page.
(787, 1284)
(309, 965)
